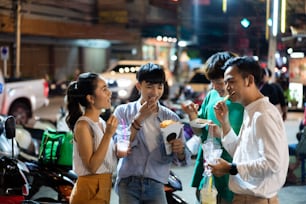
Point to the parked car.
(21, 97)
(121, 78)
(58, 88)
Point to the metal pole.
(272, 47)
(271, 54)
(17, 31)
(178, 38)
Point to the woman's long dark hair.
(76, 96)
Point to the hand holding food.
(199, 123)
(171, 131)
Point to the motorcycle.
(174, 184)
(38, 182)
(14, 185)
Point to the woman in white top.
(94, 157)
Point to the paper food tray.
(171, 132)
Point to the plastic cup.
(209, 196)
(123, 146)
(211, 152)
(123, 139)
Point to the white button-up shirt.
(260, 151)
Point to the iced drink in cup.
(123, 139)
(211, 149)
(123, 146)
(209, 196)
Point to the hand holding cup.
(123, 140)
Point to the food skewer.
(227, 96)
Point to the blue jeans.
(139, 190)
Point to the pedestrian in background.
(274, 92)
(214, 72)
(260, 152)
(141, 175)
(94, 157)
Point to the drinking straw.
(210, 184)
(124, 128)
(210, 132)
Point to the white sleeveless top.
(110, 161)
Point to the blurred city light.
(95, 43)
(284, 69)
(224, 6)
(166, 39)
(283, 15)
(275, 17)
(267, 19)
(182, 43)
(269, 22)
(245, 23)
(297, 55)
(277, 55)
(173, 57)
(289, 50)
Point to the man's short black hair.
(152, 73)
(213, 66)
(246, 66)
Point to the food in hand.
(226, 97)
(166, 123)
(201, 121)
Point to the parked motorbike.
(174, 184)
(37, 182)
(49, 184)
(14, 186)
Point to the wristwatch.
(233, 170)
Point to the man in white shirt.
(260, 152)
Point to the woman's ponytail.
(73, 105)
(76, 96)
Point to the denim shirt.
(140, 162)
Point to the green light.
(245, 23)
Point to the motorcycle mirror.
(10, 127)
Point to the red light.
(65, 190)
(46, 89)
(25, 190)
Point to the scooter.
(45, 183)
(49, 183)
(14, 186)
(174, 184)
